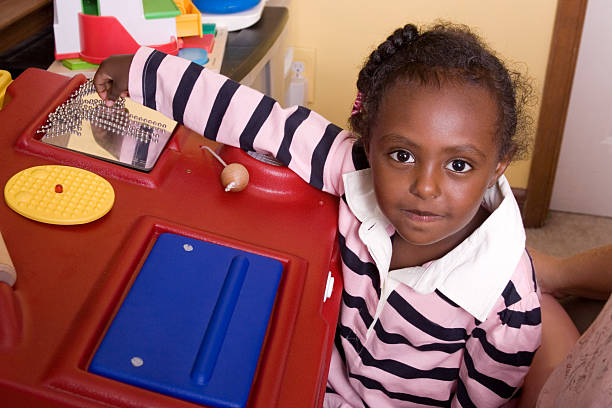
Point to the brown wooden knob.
(234, 177)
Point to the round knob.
(234, 177)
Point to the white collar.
(473, 274)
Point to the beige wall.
(344, 32)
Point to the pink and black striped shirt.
(459, 331)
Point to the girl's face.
(433, 154)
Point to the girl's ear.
(502, 165)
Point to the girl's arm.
(501, 349)
(230, 113)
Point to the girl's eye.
(402, 156)
(459, 166)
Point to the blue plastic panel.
(224, 6)
(193, 323)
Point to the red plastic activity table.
(71, 279)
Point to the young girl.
(440, 306)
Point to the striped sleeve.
(499, 351)
(227, 112)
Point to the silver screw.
(137, 361)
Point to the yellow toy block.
(5, 81)
(189, 23)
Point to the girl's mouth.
(421, 216)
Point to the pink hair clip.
(357, 105)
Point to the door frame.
(565, 42)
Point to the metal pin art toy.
(68, 117)
(85, 124)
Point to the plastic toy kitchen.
(132, 278)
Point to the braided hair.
(444, 53)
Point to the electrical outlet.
(298, 68)
(306, 56)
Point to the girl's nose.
(425, 184)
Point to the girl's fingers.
(111, 79)
(102, 85)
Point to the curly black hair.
(445, 52)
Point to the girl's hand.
(111, 78)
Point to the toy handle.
(7, 269)
(10, 311)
